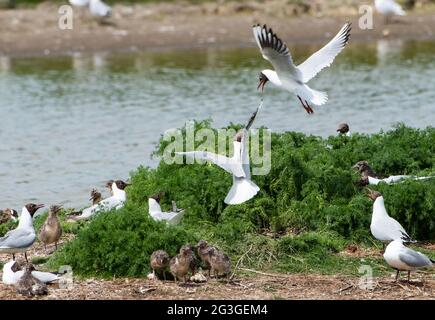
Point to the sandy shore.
(26, 32)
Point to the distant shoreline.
(35, 32)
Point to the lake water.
(69, 124)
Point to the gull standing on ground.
(23, 237)
(243, 188)
(402, 258)
(155, 211)
(294, 78)
(51, 230)
(389, 8)
(383, 227)
(116, 201)
(11, 274)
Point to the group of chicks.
(211, 258)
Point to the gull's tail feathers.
(176, 219)
(312, 96)
(242, 190)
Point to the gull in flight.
(389, 8)
(23, 237)
(243, 188)
(116, 201)
(383, 227)
(11, 274)
(294, 78)
(402, 258)
(155, 211)
(368, 176)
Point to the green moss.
(311, 188)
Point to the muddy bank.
(35, 31)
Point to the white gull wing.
(19, 238)
(79, 3)
(275, 51)
(395, 179)
(413, 258)
(325, 56)
(107, 204)
(230, 165)
(172, 218)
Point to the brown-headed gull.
(402, 258)
(116, 201)
(382, 226)
(294, 78)
(368, 176)
(23, 237)
(11, 274)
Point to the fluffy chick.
(159, 262)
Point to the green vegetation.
(308, 210)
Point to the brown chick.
(181, 264)
(51, 230)
(159, 261)
(8, 214)
(109, 186)
(193, 260)
(95, 196)
(203, 249)
(29, 286)
(220, 263)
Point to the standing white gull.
(155, 211)
(11, 274)
(383, 227)
(389, 8)
(116, 201)
(243, 188)
(294, 78)
(23, 237)
(402, 258)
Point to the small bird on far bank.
(389, 8)
(402, 258)
(343, 129)
(51, 230)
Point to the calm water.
(69, 124)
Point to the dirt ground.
(247, 284)
(35, 31)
